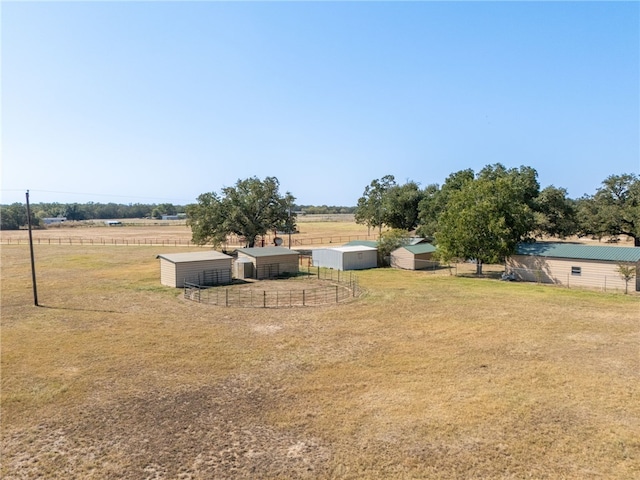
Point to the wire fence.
(313, 287)
(165, 242)
(603, 282)
(232, 241)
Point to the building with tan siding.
(574, 265)
(413, 257)
(270, 262)
(204, 268)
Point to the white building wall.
(174, 274)
(327, 258)
(360, 260)
(345, 258)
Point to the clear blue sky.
(153, 102)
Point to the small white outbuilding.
(348, 257)
(204, 268)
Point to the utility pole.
(33, 263)
(289, 224)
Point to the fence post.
(303, 297)
(336, 293)
(264, 299)
(226, 300)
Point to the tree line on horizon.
(14, 216)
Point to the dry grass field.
(422, 377)
(313, 231)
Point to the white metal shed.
(202, 267)
(352, 257)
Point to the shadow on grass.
(489, 275)
(77, 309)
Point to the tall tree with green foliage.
(614, 209)
(74, 211)
(555, 213)
(390, 240)
(400, 206)
(251, 208)
(370, 209)
(13, 217)
(487, 217)
(434, 201)
(164, 209)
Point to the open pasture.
(424, 376)
(313, 231)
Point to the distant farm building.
(413, 257)
(54, 220)
(269, 262)
(349, 257)
(202, 268)
(571, 264)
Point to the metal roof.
(578, 251)
(352, 248)
(362, 243)
(416, 240)
(193, 256)
(267, 251)
(420, 248)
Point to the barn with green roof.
(571, 264)
(417, 256)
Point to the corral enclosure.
(424, 376)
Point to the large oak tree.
(370, 210)
(614, 210)
(488, 216)
(251, 208)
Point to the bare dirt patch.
(213, 431)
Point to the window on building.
(576, 270)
